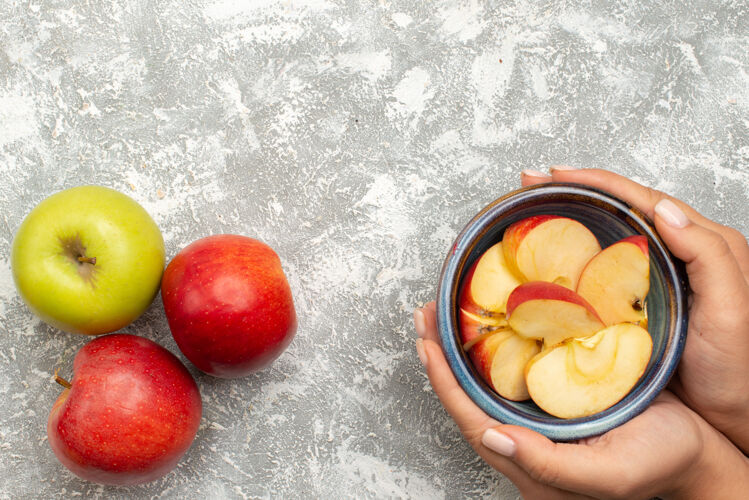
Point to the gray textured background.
(356, 138)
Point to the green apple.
(88, 260)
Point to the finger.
(646, 199)
(630, 191)
(561, 465)
(425, 322)
(471, 419)
(430, 317)
(677, 388)
(531, 177)
(714, 273)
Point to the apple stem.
(89, 260)
(61, 380)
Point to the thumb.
(572, 467)
(714, 273)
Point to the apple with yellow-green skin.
(88, 260)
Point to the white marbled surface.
(356, 138)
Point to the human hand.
(713, 376)
(667, 450)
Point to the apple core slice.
(592, 357)
(583, 377)
(616, 281)
(473, 327)
(550, 312)
(549, 248)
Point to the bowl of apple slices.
(560, 309)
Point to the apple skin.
(83, 297)
(498, 354)
(482, 353)
(638, 240)
(465, 300)
(133, 410)
(542, 290)
(228, 304)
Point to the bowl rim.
(478, 391)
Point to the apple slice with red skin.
(482, 353)
(498, 354)
(616, 281)
(549, 248)
(500, 359)
(474, 328)
(480, 339)
(550, 312)
(582, 377)
(488, 283)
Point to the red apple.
(549, 248)
(228, 304)
(129, 414)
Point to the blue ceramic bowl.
(610, 219)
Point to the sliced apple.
(500, 360)
(549, 248)
(482, 352)
(617, 279)
(583, 377)
(474, 327)
(550, 312)
(592, 357)
(498, 353)
(488, 284)
(508, 367)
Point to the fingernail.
(420, 323)
(421, 351)
(534, 173)
(561, 167)
(498, 442)
(671, 213)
